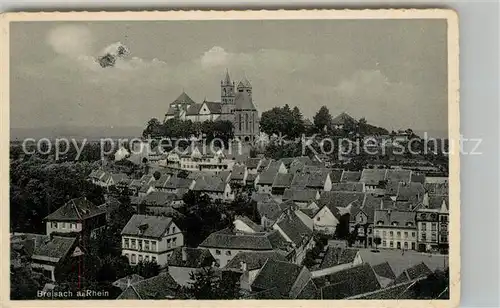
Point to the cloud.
(216, 56)
(70, 40)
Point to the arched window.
(246, 121)
(239, 121)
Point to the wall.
(66, 229)
(327, 221)
(412, 237)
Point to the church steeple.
(227, 90)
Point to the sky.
(392, 72)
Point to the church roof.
(243, 101)
(343, 118)
(183, 99)
(227, 79)
(244, 83)
(194, 109)
(214, 107)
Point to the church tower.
(245, 86)
(227, 90)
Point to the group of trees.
(176, 128)
(38, 187)
(209, 283)
(283, 121)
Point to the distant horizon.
(394, 75)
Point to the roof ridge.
(76, 208)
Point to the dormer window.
(409, 224)
(395, 223)
(380, 222)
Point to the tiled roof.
(318, 178)
(299, 195)
(210, 184)
(243, 101)
(76, 209)
(182, 99)
(418, 177)
(252, 163)
(398, 175)
(194, 109)
(253, 260)
(389, 217)
(238, 173)
(336, 256)
(359, 187)
(310, 291)
(162, 181)
(264, 164)
(55, 249)
(255, 227)
(353, 281)
(251, 178)
(159, 198)
(342, 119)
(270, 209)
(413, 192)
(309, 212)
(162, 286)
(351, 176)
(294, 228)
(267, 177)
(340, 199)
(176, 182)
(282, 180)
(372, 176)
(384, 270)
(124, 282)
(195, 257)
(336, 175)
(154, 226)
(281, 275)
(300, 181)
(214, 107)
(437, 188)
(244, 83)
(274, 165)
(287, 161)
(225, 239)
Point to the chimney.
(184, 254)
(243, 266)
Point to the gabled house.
(373, 178)
(277, 166)
(249, 265)
(319, 180)
(269, 211)
(396, 229)
(302, 197)
(350, 176)
(333, 205)
(245, 224)
(350, 282)
(252, 165)
(296, 232)
(290, 281)
(337, 259)
(78, 215)
(226, 243)
(264, 181)
(215, 188)
(186, 260)
(281, 182)
(176, 184)
(351, 186)
(238, 176)
(55, 255)
(150, 239)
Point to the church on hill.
(236, 105)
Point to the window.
(168, 243)
(146, 245)
(126, 255)
(398, 245)
(434, 226)
(146, 258)
(391, 233)
(318, 219)
(369, 230)
(126, 243)
(384, 243)
(406, 234)
(413, 234)
(228, 252)
(73, 226)
(64, 225)
(139, 242)
(153, 259)
(134, 260)
(174, 242)
(434, 237)
(413, 246)
(384, 233)
(153, 245)
(217, 252)
(424, 226)
(399, 234)
(140, 258)
(173, 230)
(54, 225)
(133, 243)
(424, 236)
(406, 245)
(391, 244)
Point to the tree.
(322, 119)
(24, 283)
(342, 229)
(157, 175)
(377, 241)
(147, 269)
(282, 121)
(208, 284)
